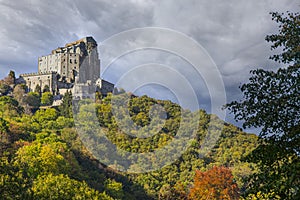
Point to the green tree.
(47, 99)
(38, 89)
(3, 126)
(62, 187)
(66, 107)
(4, 136)
(19, 93)
(46, 119)
(272, 103)
(44, 116)
(288, 38)
(47, 154)
(46, 88)
(9, 107)
(4, 88)
(12, 77)
(168, 192)
(12, 184)
(33, 99)
(114, 189)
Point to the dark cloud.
(232, 32)
(33, 28)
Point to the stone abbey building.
(75, 67)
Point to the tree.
(4, 136)
(19, 93)
(176, 192)
(261, 196)
(3, 126)
(47, 154)
(9, 107)
(4, 88)
(12, 185)
(114, 189)
(46, 88)
(62, 187)
(44, 116)
(10, 79)
(272, 103)
(288, 38)
(66, 106)
(47, 99)
(38, 89)
(12, 74)
(33, 99)
(216, 183)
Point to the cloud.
(232, 32)
(33, 28)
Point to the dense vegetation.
(43, 155)
(43, 147)
(272, 102)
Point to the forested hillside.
(42, 156)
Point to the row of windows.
(28, 79)
(71, 61)
(64, 67)
(45, 61)
(75, 61)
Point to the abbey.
(75, 67)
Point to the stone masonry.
(76, 63)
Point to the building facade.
(76, 63)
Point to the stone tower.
(79, 58)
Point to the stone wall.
(79, 58)
(41, 79)
(83, 91)
(90, 67)
(104, 86)
(50, 63)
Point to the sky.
(229, 36)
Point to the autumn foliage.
(216, 183)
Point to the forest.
(44, 152)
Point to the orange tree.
(216, 183)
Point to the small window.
(71, 61)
